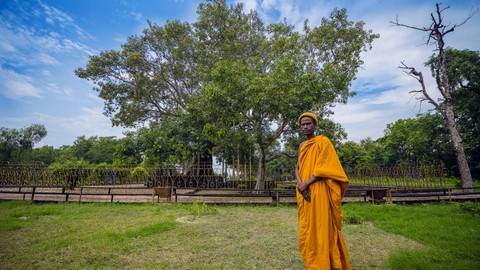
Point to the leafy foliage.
(139, 171)
(463, 67)
(227, 80)
(198, 208)
(470, 207)
(15, 144)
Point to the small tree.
(15, 143)
(436, 34)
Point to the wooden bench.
(162, 192)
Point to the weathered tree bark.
(261, 169)
(465, 174)
(437, 32)
(201, 165)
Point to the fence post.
(278, 198)
(33, 192)
(66, 194)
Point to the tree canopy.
(229, 77)
(15, 143)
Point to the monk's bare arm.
(297, 176)
(312, 180)
(302, 188)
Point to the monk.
(321, 185)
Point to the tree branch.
(411, 71)
(270, 158)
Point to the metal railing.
(413, 175)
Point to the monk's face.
(307, 126)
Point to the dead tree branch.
(417, 75)
(437, 28)
(436, 33)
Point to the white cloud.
(57, 17)
(17, 86)
(137, 15)
(90, 121)
(4, 45)
(63, 130)
(249, 5)
(23, 44)
(77, 46)
(94, 96)
(44, 58)
(290, 11)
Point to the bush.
(198, 208)
(139, 171)
(353, 219)
(470, 207)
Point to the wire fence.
(421, 175)
(208, 176)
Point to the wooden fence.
(141, 194)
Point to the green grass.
(200, 236)
(450, 233)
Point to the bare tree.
(436, 34)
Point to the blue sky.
(43, 42)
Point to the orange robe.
(321, 242)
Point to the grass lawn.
(199, 236)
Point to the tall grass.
(200, 236)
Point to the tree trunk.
(463, 167)
(261, 169)
(437, 31)
(201, 165)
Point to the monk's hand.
(306, 195)
(304, 190)
(302, 187)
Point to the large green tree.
(423, 139)
(15, 144)
(151, 80)
(229, 77)
(153, 76)
(45, 154)
(92, 150)
(290, 72)
(128, 151)
(366, 154)
(420, 139)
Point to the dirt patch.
(369, 247)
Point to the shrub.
(139, 171)
(470, 207)
(198, 208)
(353, 219)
